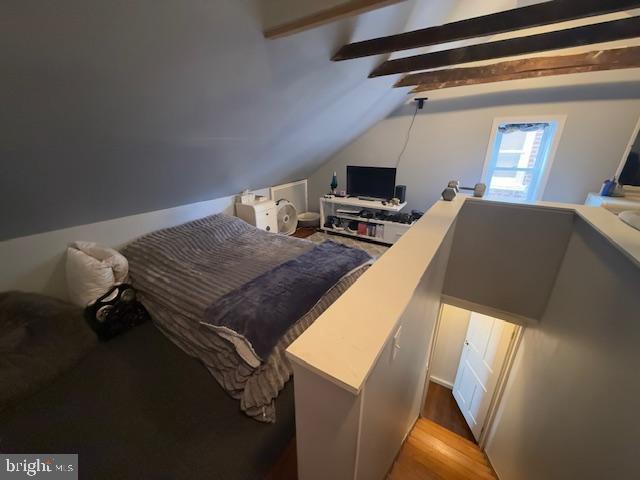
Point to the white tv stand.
(387, 232)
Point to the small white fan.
(287, 217)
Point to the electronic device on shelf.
(371, 183)
(400, 218)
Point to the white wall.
(393, 393)
(506, 256)
(378, 357)
(346, 436)
(327, 421)
(450, 137)
(452, 331)
(570, 408)
(118, 109)
(36, 263)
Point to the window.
(519, 158)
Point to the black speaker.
(401, 193)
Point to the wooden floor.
(286, 468)
(440, 447)
(432, 452)
(304, 232)
(441, 407)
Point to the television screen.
(630, 174)
(374, 182)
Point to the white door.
(481, 361)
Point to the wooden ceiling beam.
(571, 37)
(509, 20)
(514, 76)
(502, 77)
(328, 15)
(628, 57)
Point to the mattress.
(180, 271)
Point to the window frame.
(543, 178)
(625, 156)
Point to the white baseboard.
(442, 382)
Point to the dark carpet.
(138, 407)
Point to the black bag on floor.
(115, 312)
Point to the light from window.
(518, 161)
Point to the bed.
(187, 275)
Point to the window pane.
(513, 141)
(517, 163)
(508, 160)
(510, 185)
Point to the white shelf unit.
(391, 231)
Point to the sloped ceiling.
(116, 107)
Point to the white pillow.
(92, 270)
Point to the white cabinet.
(263, 215)
(393, 231)
(347, 209)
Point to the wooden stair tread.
(410, 471)
(447, 448)
(432, 453)
(453, 439)
(451, 457)
(442, 433)
(429, 462)
(432, 427)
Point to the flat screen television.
(371, 182)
